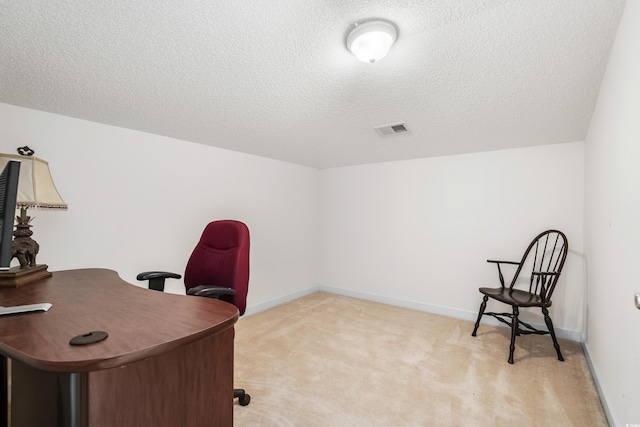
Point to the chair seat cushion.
(514, 297)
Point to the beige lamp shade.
(35, 185)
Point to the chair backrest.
(221, 258)
(546, 254)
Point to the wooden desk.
(168, 359)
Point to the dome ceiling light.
(371, 40)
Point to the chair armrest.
(497, 263)
(153, 274)
(156, 278)
(503, 262)
(210, 291)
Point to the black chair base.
(243, 397)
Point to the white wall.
(612, 234)
(422, 230)
(139, 202)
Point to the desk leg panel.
(34, 397)
(188, 386)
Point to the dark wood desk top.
(141, 323)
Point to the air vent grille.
(395, 129)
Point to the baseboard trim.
(601, 394)
(437, 309)
(398, 302)
(254, 309)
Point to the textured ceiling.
(273, 78)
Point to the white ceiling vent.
(388, 130)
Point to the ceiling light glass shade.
(370, 41)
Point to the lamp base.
(18, 276)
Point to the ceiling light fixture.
(371, 40)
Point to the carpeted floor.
(330, 360)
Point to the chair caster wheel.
(244, 401)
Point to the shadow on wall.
(570, 302)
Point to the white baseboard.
(594, 374)
(445, 311)
(280, 300)
(398, 302)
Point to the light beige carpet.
(329, 360)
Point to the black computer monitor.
(8, 195)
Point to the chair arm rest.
(156, 278)
(147, 275)
(497, 263)
(210, 291)
(503, 262)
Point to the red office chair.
(218, 268)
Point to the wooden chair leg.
(549, 323)
(483, 305)
(514, 332)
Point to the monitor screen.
(8, 194)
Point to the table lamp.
(35, 190)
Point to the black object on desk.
(88, 338)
